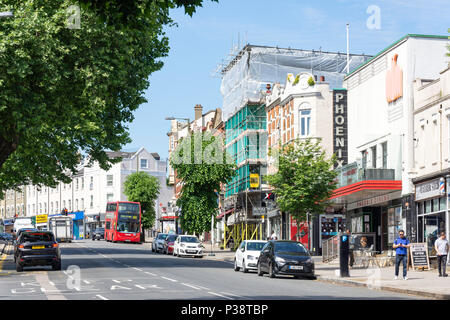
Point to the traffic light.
(64, 212)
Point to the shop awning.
(168, 218)
(220, 216)
(364, 190)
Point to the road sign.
(254, 180)
(42, 218)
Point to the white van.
(22, 222)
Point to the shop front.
(372, 203)
(431, 208)
(91, 222)
(78, 224)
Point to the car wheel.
(19, 267)
(93, 239)
(236, 268)
(271, 273)
(244, 269)
(260, 273)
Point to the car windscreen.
(290, 247)
(171, 238)
(189, 239)
(36, 237)
(161, 236)
(255, 246)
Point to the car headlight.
(308, 260)
(182, 245)
(251, 257)
(280, 260)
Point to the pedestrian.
(351, 247)
(441, 246)
(401, 245)
(273, 236)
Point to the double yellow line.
(1, 261)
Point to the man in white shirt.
(273, 236)
(441, 246)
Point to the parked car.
(158, 242)
(168, 243)
(246, 256)
(283, 257)
(187, 245)
(36, 248)
(6, 237)
(98, 234)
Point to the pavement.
(426, 284)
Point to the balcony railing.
(353, 172)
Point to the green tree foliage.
(66, 92)
(202, 166)
(144, 188)
(305, 179)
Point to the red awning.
(168, 218)
(365, 189)
(220, 216)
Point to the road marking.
(87, 282)
(219, 295)
(173, 280)
(204, 288)
(52, 283)
(235, 295)
(152, 274)
(50, 290)
(191, 286)
(101, 297)
(137, 269)
(116, 281)
(140, 287)
(1, 261)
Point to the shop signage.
(259, 211)
(340, 148)
(273, 213)
(42, 218)
(374, 200)
(427, 190)
(254, 180)
(419, 255)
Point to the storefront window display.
(431, 223)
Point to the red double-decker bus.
(123, 221)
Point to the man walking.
(401, 245)
(441, 246)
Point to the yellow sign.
(254, 180)
(42, 218)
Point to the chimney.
(198, 111)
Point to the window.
(144, 163)
(40, 207)
(92, 183)
(63, 204)
(51, 207)
(82, 183)
(305, 120)
(109, 197)
(92, 202)
(364, 158)
(77, 184)
(384, 151)
(82, 203)
(57, 207)
(374, 157)
(76, 205)
(109, 180)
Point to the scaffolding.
(235, 234)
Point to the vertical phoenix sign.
(340, 131)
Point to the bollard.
(343, 255)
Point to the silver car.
(158, 243)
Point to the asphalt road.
(99, 270)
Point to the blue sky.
(200, 43)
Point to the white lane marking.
(52, 283)
(152, 274)
(219, 295)
(173, 280)
(191, 286)
(235, 295)
(204, 288)
(137, 269)
(140, 287)
(116, 281)
(101, 297)
(87, 282)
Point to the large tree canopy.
(144, 188)
(64, 91)
(202, 165)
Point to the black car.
(17, 235)
(37, 248)
(98, 234)
(283, 257)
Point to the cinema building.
(376, 188)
